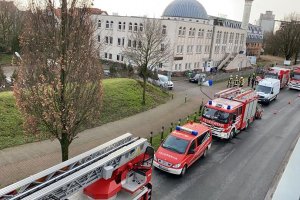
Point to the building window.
(111, 24)
(179, 49)
(107, 24)
(129, 43)
(105, 55)
(119, 41)
(134, 44)
(120, 26)
(198, 49)
(190, 49)
(141, 27)
(118, 57)
(183, 31)
(110, 56)
(180, 31)
(201, 33)
(135, 27)
(160, 65)
(190, 32)
(164, 30)
(122, 58)
(110, 40)
(162, 47)
(186, 66)
(124, 26)
(123, 42)
(193, 32)
(99, 38)
(140, 44)
(130, 26)
(99, 23)
(106, 39)
(179, 67)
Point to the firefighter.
(241, 82)
(236, 81)
(249, 80)
(230, 80)
(252, 82)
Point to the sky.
(232, 9)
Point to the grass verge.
(122, 98)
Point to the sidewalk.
(288, 186)
(22, 161)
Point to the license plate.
(162, 167)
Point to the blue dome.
(185, 9)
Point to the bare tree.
(58, 88)
(148, 47)
(286, 40)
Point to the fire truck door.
(192, 153)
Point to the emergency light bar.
(180, 128)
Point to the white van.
(267, 90)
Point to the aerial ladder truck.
(119, 169)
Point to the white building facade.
(198, 42)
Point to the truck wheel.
(183, 171)
(232, 134)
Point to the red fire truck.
(282, 74)
(295, 80)
(119, 169)
(232, 110)
(182, 148)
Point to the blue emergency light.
(228, 107)
(180, 128)
(210, 102)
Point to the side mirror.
(272, 92)
(191, 151)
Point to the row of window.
(192, 32)
(188, 66)
(131, 26)
(109, 56)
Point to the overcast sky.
(233, 9)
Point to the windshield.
(271, 75)
(296, 76)
(175, 144)
(163, 78)
(263, 89)
(216, 115)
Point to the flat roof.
(200, 128)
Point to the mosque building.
(199, 42)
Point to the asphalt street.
(243, 168)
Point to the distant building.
(267, 21)
(254, 42)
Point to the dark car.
(194, 78)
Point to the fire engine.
(232, 111)
(182, 148)
(118, 169)
(279, 73)
(295, 80)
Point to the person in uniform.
(236, 81)
(230, 80)
(249, 80)
(241, 82)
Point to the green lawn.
(122, 99)
(5, 59)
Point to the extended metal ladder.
(229, 93)
(71, 176)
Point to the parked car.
(106, 72)
(164, 82)
(182, 148)
(195, 78)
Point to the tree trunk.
(296, 57)
(64, 144)
(144, 91)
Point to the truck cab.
(279, 73)
(268, 90)
(182, 148)
(223, 117)
(295, 80)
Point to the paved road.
(243, 168)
